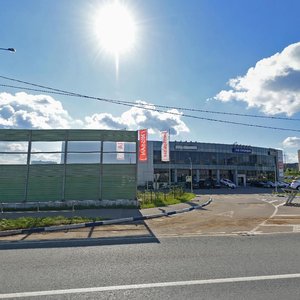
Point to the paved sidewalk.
(105, 213)
(128, 230)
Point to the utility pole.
(191, 167)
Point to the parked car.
(282, 184)
(209, 184)
(295, 184)
(228, 183)
(260, 184)
(271, 184)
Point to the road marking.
(272, 201)
(226, 214)
(148, 285)
(265, 221)
(296, 228)
(288, 215)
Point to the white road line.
(272, 201)
(265, 221)
(287, 215)
(296, 228)
(226, 214)
(148, 285)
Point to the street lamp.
(191, 167)
(9, 49)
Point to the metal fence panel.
(12, 183)
(119, 182)
(45, 183)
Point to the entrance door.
(241, 180)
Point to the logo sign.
(143, 149)
(241, 149)
(120, 150)
(185, 147)
(165, 153)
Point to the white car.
(295, 184)
(271, 184)
(228, 183)
(282, 184)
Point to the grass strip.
(160, 200)
(29, 222)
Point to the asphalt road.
(179, 265)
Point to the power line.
(62, 92)
(140, 105)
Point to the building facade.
(239, 163)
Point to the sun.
(115, 28)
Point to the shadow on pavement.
(23, 242)
(116, 234)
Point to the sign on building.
(165, 153)
(143, 149)
(120, 150)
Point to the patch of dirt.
(284, 221)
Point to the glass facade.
(239, 163)
(212, 158)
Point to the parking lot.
(241, 211)
(246, 211)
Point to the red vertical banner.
(165, 153)
(143, 147)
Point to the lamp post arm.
(8, 49)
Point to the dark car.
(209, 184)
(260, 184)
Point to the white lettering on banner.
(165, 156)
(120, 150)
(143, 150)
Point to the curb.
(101, 223)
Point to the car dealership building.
(239, 163)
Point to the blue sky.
(185, 54)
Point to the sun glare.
(115, 28)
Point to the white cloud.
(137, 118)
(32, 111)
(291, 157)
(27, 111)
(272, 85)
(291, 142)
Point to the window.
(47, 153)
(13, 153)
(119, 152)
(83, 152)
